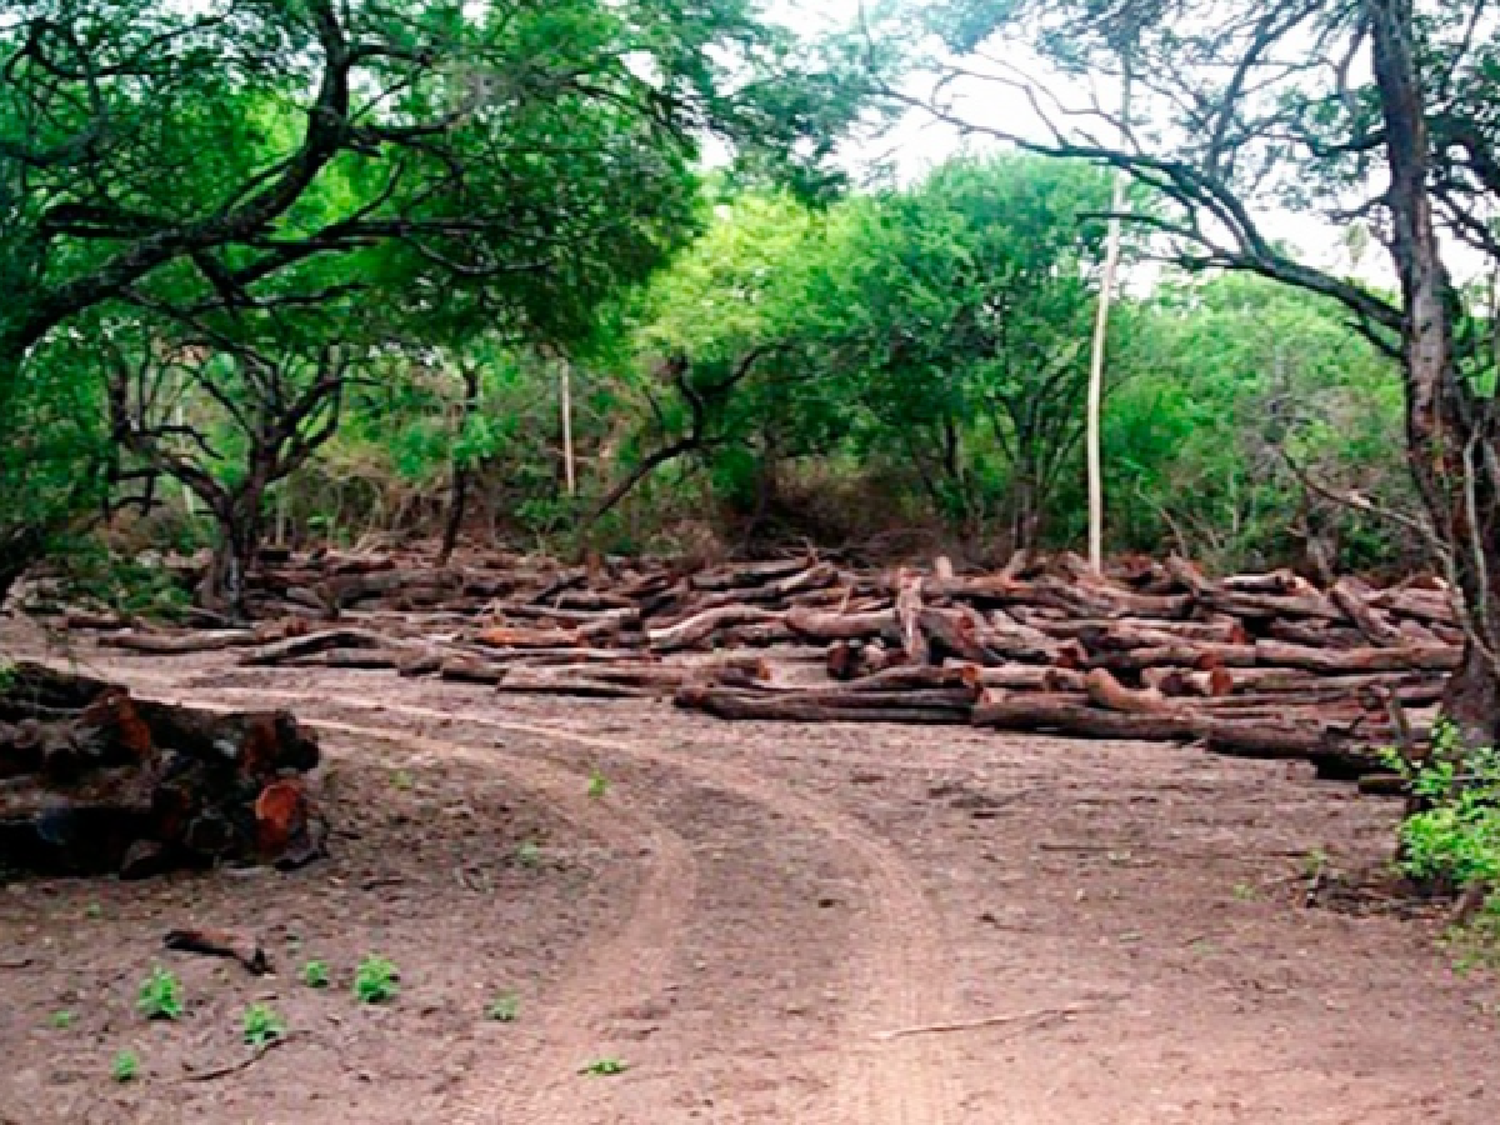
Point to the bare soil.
(855, 925)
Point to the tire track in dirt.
(626, 967)
(902, 977)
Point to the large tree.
(1373, 112)
(205, 161)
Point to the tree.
(205, 160)
(228, 419)
(1240, 108)
(1242, 393)
(941, 327)
(961, 309)
(721, 341)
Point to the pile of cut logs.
(1262, 665)
(94, 781)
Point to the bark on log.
(1107, 692)
(1026, 713)
(701, 627)
(822, 626)
(99, 781)
(1352, 597)
(1189, 682)
(171, 644)
(874, 707)
(1357, 660)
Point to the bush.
(1455, 840)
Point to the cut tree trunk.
(97, 781)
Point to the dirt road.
(851, 925)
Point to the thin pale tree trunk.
(570, 470)
(1095, 424)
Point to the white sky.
(918, 142)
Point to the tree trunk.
(1449, 439)
(224, 585)
(458, 493)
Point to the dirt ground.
(854, 925)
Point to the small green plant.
(161, 996)
(1454, 841)
(598, 785)
(126, 1066)
(61, 1020)
(9, 674)
(93, 910)
(529, 854)
(504, 1008)
(262, 1025)
(1315, 863)
(1244, 892)
(376, 980)
(1476, 945)
(604, 1068)
(402, 779)
(315, 974)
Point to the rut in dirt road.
(626, 966)
(900, 979)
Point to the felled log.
(909, 604)
(1105, 691)
(1432, 607)
(471, 670)
(1352, 596)
(700, 627)
(573, 682)
(1443, 658)
(757, 634)
(1187, 681)
(1026, 677)
(1276, 582)
(1316, 634)
(160, 643)
(1024, 712)
(99, 781)
(910, 677)
(1148, 632)
(1202, 656)
(954, 633)
(279, 652)
(823, 626)
(748, 574)
(511, 636)
(811, 707)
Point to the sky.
(919, 142)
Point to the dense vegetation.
(310, 271)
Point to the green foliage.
(376, 981)
(529, 854)
(505, 1008)
(1223, 381)
(598, 787)
(93, 574)
(160, 996)
(463, 170)
(125, 1067)
(1456, 838)
(62, 1020)
(604, 1067)
(1476, 945)
(261, 1026)
(315, 974)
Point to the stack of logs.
(1262, 665)
(94, 781)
